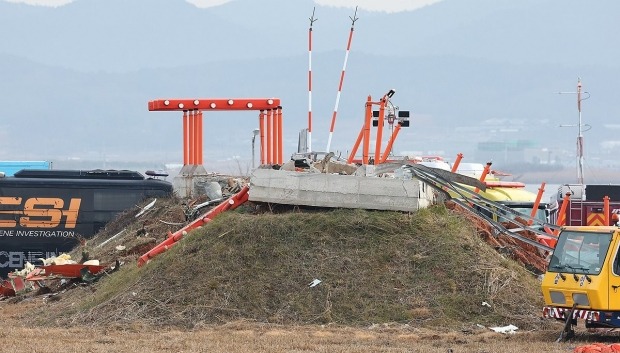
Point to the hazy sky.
(371, 5)
(482, 77)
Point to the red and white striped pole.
(309, 144)
(344, 67)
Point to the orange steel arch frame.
(364, 135)
(270, 123)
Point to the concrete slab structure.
(339, 191)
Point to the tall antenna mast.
(312, 20)
(580, 159)
(579, 137)
(344, 67)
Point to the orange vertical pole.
(278, 156)
(388, 148)
(269, 136)
(356, 146)
(185, 142)
(455, 166)
(380, 130)
(261, 128)
(274, 134)
(276, 141)
(200, 133)
(562, 214)
(261, 122)
(273, 137)
(196, 137)
(192, 148)
(192, 135)
(367, 124)
(280, 142)
(195, 129)
(606, 210)
(485, 172)
(541, 190)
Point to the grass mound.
(428, 269)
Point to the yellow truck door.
(613, 287)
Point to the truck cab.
(583, 277)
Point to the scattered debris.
(67, 271)
(110, 239)
(314, 283)
(32, 278)
(63, 259)
(311, 163)
(146, 208)
(510, 329)
(193, 212)
(27, 269)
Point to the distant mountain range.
(76, 79)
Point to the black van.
(46, 212)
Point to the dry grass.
(245, 337)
